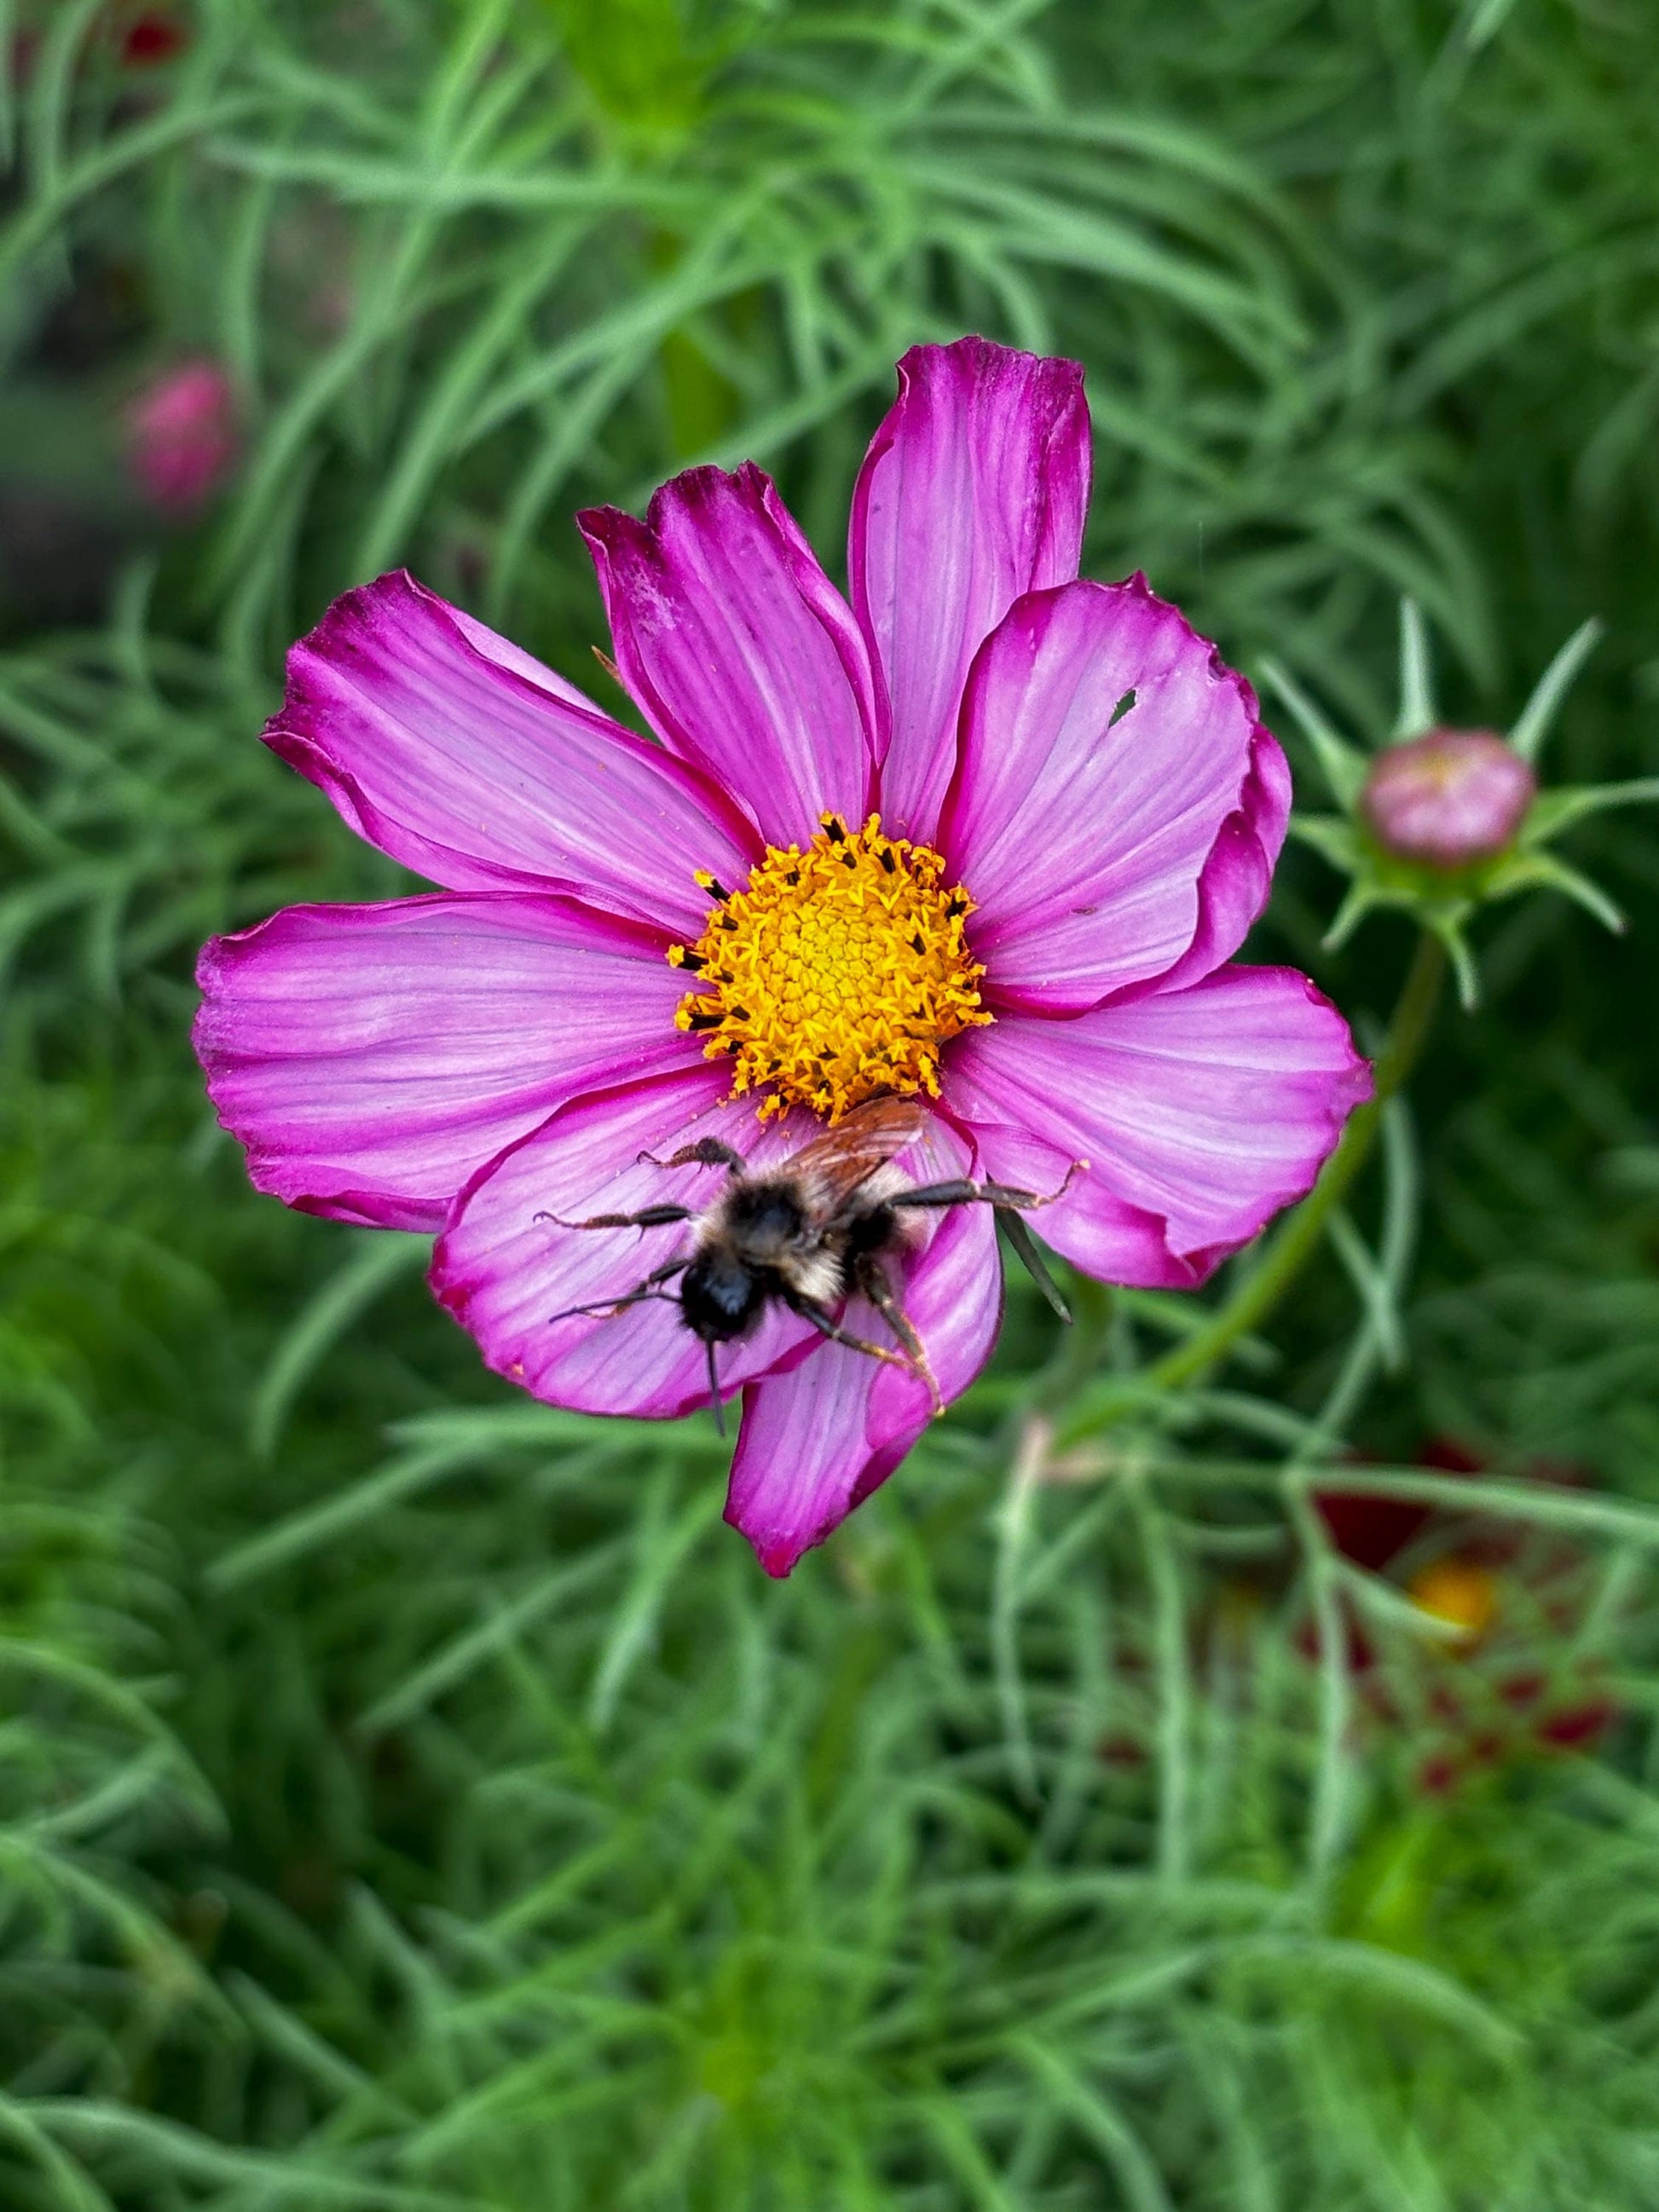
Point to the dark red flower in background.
(139, 37)
(151, 37)
(1492, 1697)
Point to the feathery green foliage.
(411, 1796)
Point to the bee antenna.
(715, 1387)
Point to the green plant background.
(413, 1797)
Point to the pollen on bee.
(837, 971)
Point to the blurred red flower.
(139, 37)
(1503, 1701)
(151, 37)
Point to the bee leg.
(715, 1407)
(648, 1217)
(872, 1279)
(963, 1191)
(1024, 1245)
(650, 1288)
(836, 1334)
(707, 1153)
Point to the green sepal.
(1342, 765)
(1518, 871)
(1447, 926)
(1532, 724)
(1417, 713)
(1333, 837)
(1552, 812)
(1356, 905)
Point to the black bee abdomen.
(872, 1231)
(719, 1297)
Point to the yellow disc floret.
(836, 973)
(1458, 1591)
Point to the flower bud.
(1449, 799)
(181, 435)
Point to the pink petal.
(1232, 892)
(458, 754)
(1201, 1112)
(822, 1432)
(1106, 753)
(372, 1058)
(974, 491)
(1126, 1242)
(741, 654)
(503, 1272)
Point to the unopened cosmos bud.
(1451, 798)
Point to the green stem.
(1298, 1236)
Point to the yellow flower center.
(1457, 1590)
(836, 973)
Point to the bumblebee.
(820, 1227)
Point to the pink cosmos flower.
(986, 836)
(181, 435)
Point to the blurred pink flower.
(1450, 797)
(979, 741)
(181, 435)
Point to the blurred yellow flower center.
(1457, 1590)
(836, 973)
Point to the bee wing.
(833, 1165)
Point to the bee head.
(719, 1296)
